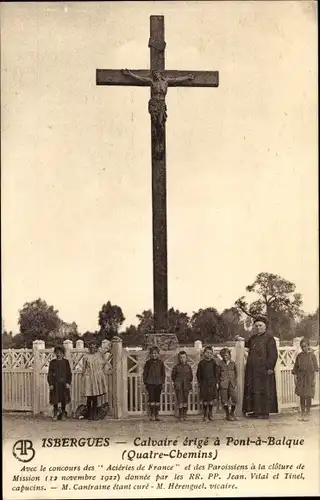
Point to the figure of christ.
(157, 104)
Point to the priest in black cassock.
(260, 393)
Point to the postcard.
(160, 315)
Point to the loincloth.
(157, 108)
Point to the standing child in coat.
(227, 376)
(304, 370)
(207, 380)
(154, 375)
(94, 378)
(59, 380)
(182, 378)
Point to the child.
(227, 376)
(94, 378)
(304, 369)
(207, 381)
(154, 375)
(59, 380)
(182, 378)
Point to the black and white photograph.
(160, 267)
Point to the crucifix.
(158, 79)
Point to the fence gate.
(17, 379)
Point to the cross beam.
(115, 77)
(158, 79)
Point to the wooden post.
(159, 191)
(79, 344)
(277, 374)
(37, 345)
(296, 344)
(239, 360)
(117, 381)
(124, 368)
(198, 348)
(68, 345)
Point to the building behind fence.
(25, 387)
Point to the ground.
(294, 447)
(287, 423)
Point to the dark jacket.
(182, 376)
(207, 372)
(59, 372)
(154, 372)
(227, 374)
(59, 375)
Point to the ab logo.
(23, 450)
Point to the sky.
(76, 164)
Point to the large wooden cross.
(158, 79)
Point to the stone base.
(165, 341)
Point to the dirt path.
(26, 426)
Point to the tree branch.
(243, 309)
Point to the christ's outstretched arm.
(137, 77)
(181, 78)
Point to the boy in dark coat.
(182, 378)
(154, 375)
(207, 375)
(227, 376)
(59, 380)
(304, 369)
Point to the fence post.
(68, 345)
(239, 360)
(37, 345)
(277, 374)
(79, 344)
(117, 381)
(296, 344)
(124, 368)
(198, 348)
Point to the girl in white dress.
(94, 378)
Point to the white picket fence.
(25, 387)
